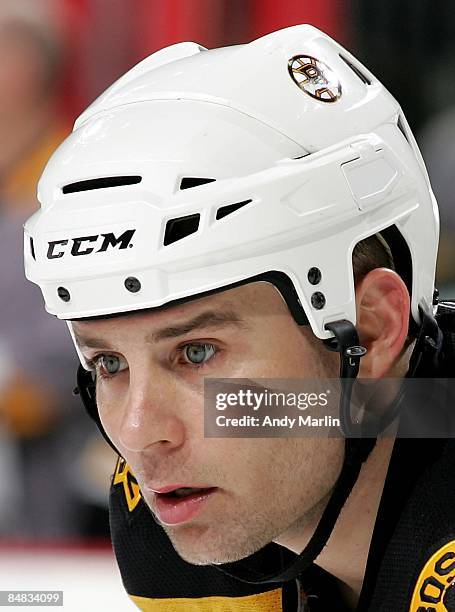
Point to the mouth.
(177, 505)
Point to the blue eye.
(108, 366)
(110, 363)
(198, 353)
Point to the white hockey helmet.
(202, 169)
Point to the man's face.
(150, 373)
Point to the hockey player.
(235, 213)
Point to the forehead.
(245, 302)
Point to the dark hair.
(370, 253)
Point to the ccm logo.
(80, 245)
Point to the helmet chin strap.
(357, 449)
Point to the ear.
(383, 307)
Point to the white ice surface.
(90, 580)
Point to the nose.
(150, 417)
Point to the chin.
(209, 548)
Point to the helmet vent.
(401, 127)
(180, 227)
(32, 248)
(101, 183)
(356, 71)
(188, 182)
(223, 211)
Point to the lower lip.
(176, 510)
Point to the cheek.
(110, 400)
(304, 463)
(277, 469)
(123, 402)
(109, 417)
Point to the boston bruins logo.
(435, 588)
(124, 476)
(315, 78)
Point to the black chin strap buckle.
(354, 353)
(347, 344)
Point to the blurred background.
(56, 56)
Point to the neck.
(346, 552)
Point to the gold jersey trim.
(267, 602)
(124, 476)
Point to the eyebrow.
(210, 319)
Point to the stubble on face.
(282, 497)
(268, 487)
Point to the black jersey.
(411, 562)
